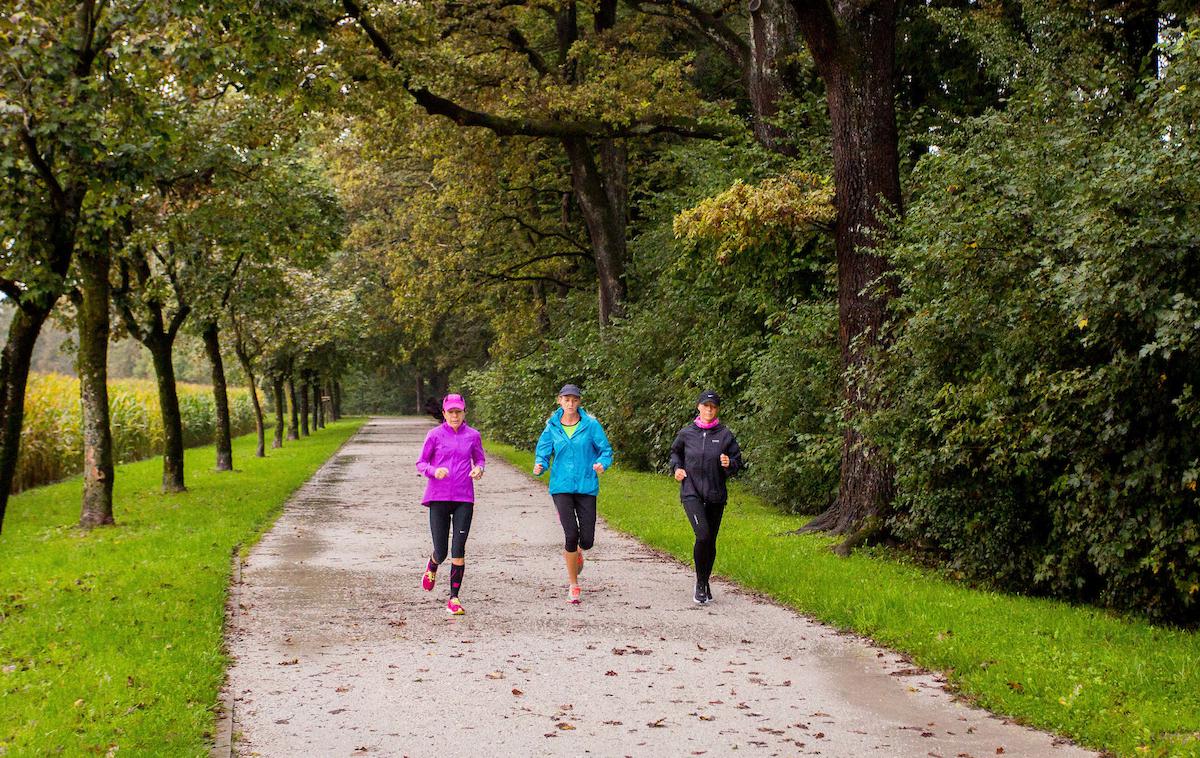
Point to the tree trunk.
(605, 223)
(260, 450)
(14, 375)
(316, 405)
(161, 348)
(773, 42)
(319, 388)
(223, 435)
(337, 400)
(293, 432)
(280, 405)
(92, 365)
(304, 407)
(855, 56)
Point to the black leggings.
(705, 519)
(577, 514)
(441, 513)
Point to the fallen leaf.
(495, 675)
(610, 673)
(292, 662)
(657, 723)
(517, 692)
(566, 727)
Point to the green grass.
(1116, 684)
(114, 637)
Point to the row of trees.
(148, 188)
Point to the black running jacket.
(698, 452)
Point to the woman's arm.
(545, 448)
(603, 448)
(425, 465)
(676, 461)
(734, 451)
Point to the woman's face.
(569, 404)
(708, 412)
(454, 417)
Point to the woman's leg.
(704, 550)
(585, 509)
(715, 513)
(462, 514)
(564, 503)
(439, 530)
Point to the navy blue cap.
(570, 389)
(708, 396)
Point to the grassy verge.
(1116, 684)
(110, 641)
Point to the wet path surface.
(338, 652)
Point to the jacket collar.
(556, 417)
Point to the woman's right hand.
(537, 469)
(680, 475)
(441, 473)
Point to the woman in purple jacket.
(452, 460)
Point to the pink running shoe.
(428, 579)
(573, 594)
(454, 608)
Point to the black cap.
(570, 389)
(708, 396)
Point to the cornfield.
(52, 442)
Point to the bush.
(1043, 418)
(791, 426)
(52, 440)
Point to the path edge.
(226, 723)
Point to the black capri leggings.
(577, 514)
(442, 513)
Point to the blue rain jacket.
(573, 456)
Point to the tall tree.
(509, 38)
(153, 308)
(51, 154)
(853, 44)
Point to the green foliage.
(52, 442)
(1042, 387)
(790, 425)
(112, 639)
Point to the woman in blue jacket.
(576, 444)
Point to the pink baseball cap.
(454, 401)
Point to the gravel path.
(338, 652)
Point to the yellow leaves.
(1082, 322)
(745, 216)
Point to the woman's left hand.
(598, 468)
(476, 472)
(724, 460)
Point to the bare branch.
(529, 127)
(586, 251)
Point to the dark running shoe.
(701, 595)
(708, 591)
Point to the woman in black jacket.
(703, 455)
